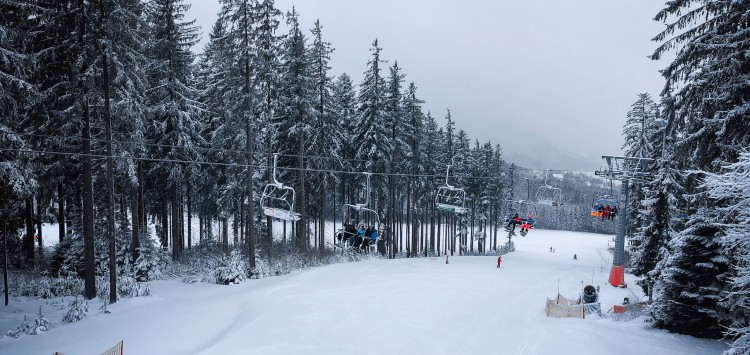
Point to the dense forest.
(153, 160)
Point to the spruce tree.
(174, 125)
(731, 188)
(296, 113)
(708, 86)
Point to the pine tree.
(394, 115)
(646, 232)
(708, 107)
(16, 93)
(371, 133)
(217, 80)
(689, 291)
(267, 71)
(344, 107)
(297, 113)
(174, 115)
(731, 189)
(326, 135)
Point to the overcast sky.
(550, 81)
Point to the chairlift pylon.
(450, 198)
(277, 200)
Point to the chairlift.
(277, 200)
(450, 198)
(364, 215)
(602, 201)
(523, 208)
(549, 195)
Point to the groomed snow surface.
(404, 306)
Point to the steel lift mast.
(625, 170)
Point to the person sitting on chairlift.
(359, 236)
(513, 221)
(607, 209)
(525, 227)
(349, 232)
(613, 212)
(368, 236)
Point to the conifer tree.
(394, 115)
(344, 108)
(731, 190)
(326, 135)
(708, 85)
(297, 113)
(174, 122)
(267, 71)
(371, 137)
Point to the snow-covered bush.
(507, 248)
(77, 310)
(41, 324)
(147, 267)
(102, 291)
(232, 269)
(23, 328)
(127, 287)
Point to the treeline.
(110, 124)
(689, 221)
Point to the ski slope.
(404, 306)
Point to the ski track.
(402, 306)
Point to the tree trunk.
(135, 223)
(110, 171)
(189, 217)
(28, 243)
(88, 202)
(38, 221)
(61, 211)
(302, 230)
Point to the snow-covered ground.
(404, 306)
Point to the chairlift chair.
(277, 200)
(450, 198)
(549, 196)
(364, 214)
(602, 201)
(523, 208)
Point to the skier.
(613, 213)
(359, 237)
(550, 249)
(575, 257)
(513, 221)
(525, 228)
(498, 261)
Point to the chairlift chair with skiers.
(523, 208)
(450, 198)
(277, 200)
(601, 201)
